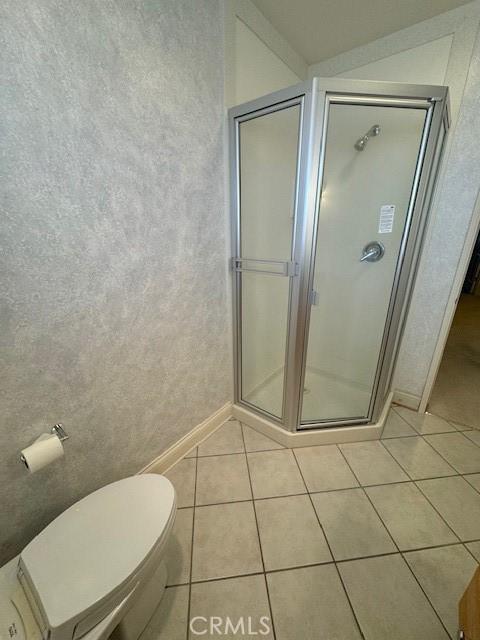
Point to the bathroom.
(121, 306)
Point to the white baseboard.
(334, 435)
(409, 400)
(189, 441)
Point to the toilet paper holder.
(60, 432)
(56, 430)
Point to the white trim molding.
(409, 400)
(192, 439)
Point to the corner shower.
(327, 230)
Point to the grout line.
(465, 477)
(455, 472)
(469, 551)
(421, 480)
(191, 551)
(395, 543)
(368, 497)
(229, 577)
(426, 596)
(330, 551)
(239, 453)
(433, 506)
(321, 564)
(441, 454)
(258, 535)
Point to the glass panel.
(264, 335)
(370, 161)
(268, 167)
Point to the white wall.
(258, 70)
(425, 64)
(441, 47)
(258, 59)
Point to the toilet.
(97, 571)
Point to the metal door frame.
(315, 97)
(301, 95)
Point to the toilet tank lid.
(96, 545)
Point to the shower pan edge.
(315, 436)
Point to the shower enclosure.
(331, 183)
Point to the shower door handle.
(373, 252)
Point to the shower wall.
(357, 181)
(114, 315)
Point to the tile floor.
(362, 540)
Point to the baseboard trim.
(192, 439)
(334, 435)
(405, 399)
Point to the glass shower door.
(370, 162)
(267, 156)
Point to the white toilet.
(98, 570)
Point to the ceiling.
(320, 29)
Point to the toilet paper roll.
(44, 450)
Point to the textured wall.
(114, 312)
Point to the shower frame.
(314, 98)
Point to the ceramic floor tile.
(396, 427)
(289, 533)
(473, 435)
(388, 602)
(352, 527)
(179, 553)
(274, 473)
(227, 439)
(409, 517)
(457, 502)
(324, 468)
(310, 604)
(424, 422)
(371, 463)
(418, 458)
(225, 541)
(474, 548)
(461, 427)
(458, 450)
(236, 599)
(169, 622)
(474, 480)
(192, 453)
(222, 479)
(443, 574)
(255, 441)
(182, 476)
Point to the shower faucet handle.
(373, 252)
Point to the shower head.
(361, 143)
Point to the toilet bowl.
(97, 570)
